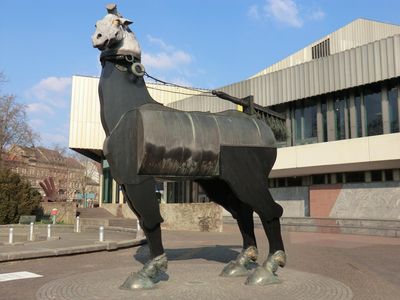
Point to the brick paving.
(320, 266)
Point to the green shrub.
(17, 197)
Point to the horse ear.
(125, 22)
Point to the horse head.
(113, 35)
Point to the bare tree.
(14, 127)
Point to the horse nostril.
(99, 35)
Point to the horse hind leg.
(220, 192)
(254, 164)
(141, 199)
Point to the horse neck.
(120, 92)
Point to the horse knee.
(149, 225)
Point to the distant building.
(341, 99)
(37, 163)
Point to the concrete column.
(333, 178)
(385, 110)
(101, 190)
(363, 116)
(330, 116)
(305, 180)
(121, 197)
(368, 177)
(320, 123)
(353, 115)
(396, 175)
(113, 193)
(165, 185)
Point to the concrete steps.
(101, 217)
(96, 212)
(386, 228)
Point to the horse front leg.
(142, 200)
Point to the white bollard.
(11, 235)
(139, 231)
(78, 229)
(101, 234)
(31, 232)
(49, 231)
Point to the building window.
(340, 111)
(321, 50)
(318, 179)
(107, 183)
(355, 177)
(324, 120)
(305, 122)
(294, 181)
(388, 175)
(373, 111)
(393, 109)
(376, 175)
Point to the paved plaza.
(320, 266)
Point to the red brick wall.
(322, 199)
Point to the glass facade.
(373, 111)
(393, 109)
(185, 192)
(305, 122)
(324, 121)
(342, 118)
(340, 108)
(107, 183)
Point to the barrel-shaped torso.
(177, 143)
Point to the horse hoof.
(147, 278)
(234, 269)
(242, 265)
(278, 259)
(262, 276)
(137, 281)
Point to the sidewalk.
(63, 241)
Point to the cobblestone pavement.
(320, 266)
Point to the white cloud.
(167, 59)
(36, 123)
(39, 107)
(160, 43)
(51, 85)
(284, 12)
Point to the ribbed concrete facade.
(362, 65)
(357, 33)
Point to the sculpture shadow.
(218, 253)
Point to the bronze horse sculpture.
(229, 154)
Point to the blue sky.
(202, 43)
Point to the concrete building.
(341, 99)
